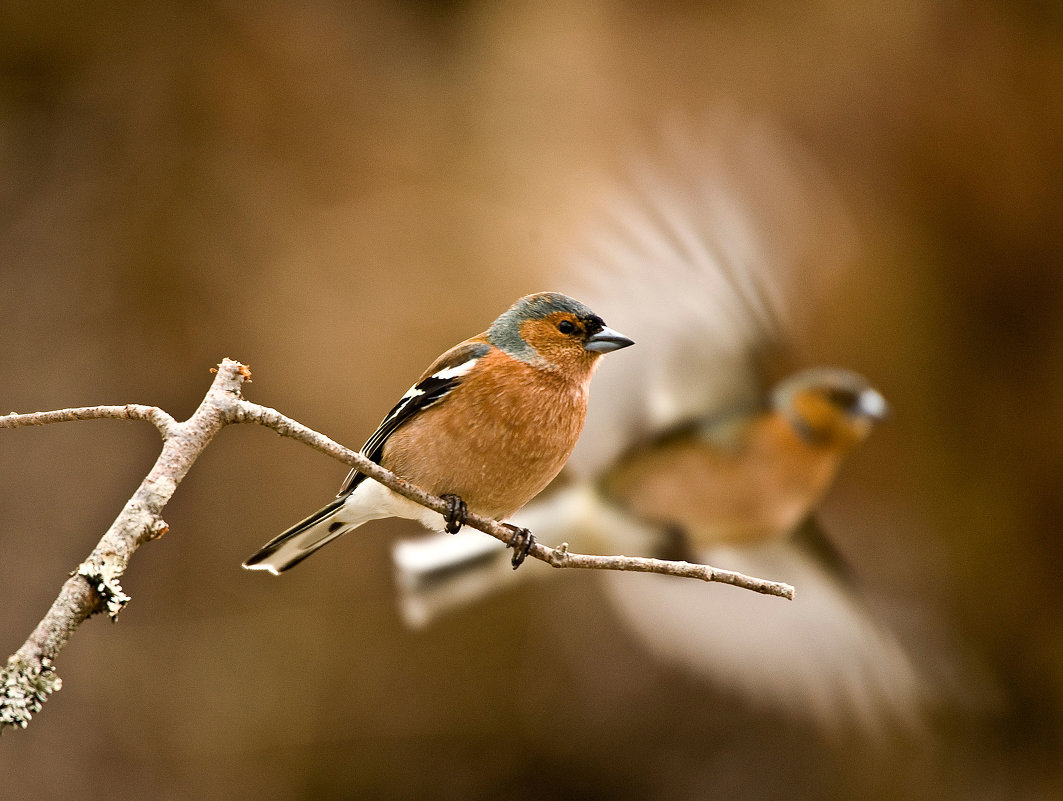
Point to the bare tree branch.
(246, 412)
(132, 411)
(29, 677)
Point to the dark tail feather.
(294, 545)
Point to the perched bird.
(711, 445)
(487, 426)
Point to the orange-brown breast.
(759, 489)
(497, 439)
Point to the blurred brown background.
(333, 193)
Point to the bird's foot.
(455, 514)
(521, 542)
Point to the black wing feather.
(427, 392)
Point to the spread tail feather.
(441, 573)
(444, 572)
(301, 540)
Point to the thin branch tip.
(244, 370)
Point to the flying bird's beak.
(607, 340)
(872, 404)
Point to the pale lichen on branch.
(28, 678)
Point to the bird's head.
(830, 406)
(552, 330)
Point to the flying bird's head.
(830, 406)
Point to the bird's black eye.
(843, 398)
(566, 327)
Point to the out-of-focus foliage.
(334, 193)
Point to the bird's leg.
(521, 542)
(455, 515)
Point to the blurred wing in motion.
(823, 657)
(712, 252)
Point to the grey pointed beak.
(607, 340)
(872, 404)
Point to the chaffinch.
(746, 476)
(698, 450)
(487, 426)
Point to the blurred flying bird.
(709, 444)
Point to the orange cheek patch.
(827, 420)
(815, 411)
(539, 334)
(561, 351)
